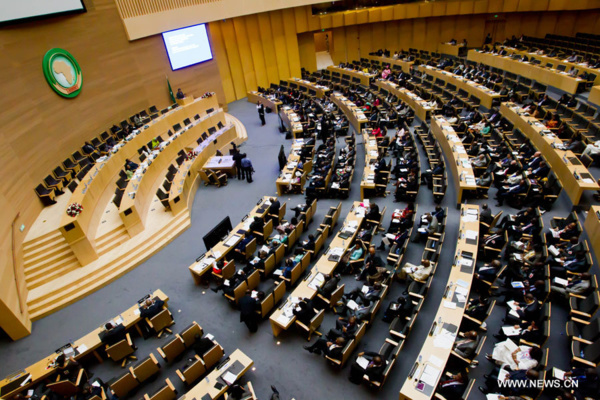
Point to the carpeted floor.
(278, 361)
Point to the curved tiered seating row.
(575, 177)
(394, 63)
(351, 76)
(309, 87)
(80, 231)
(437, 347)
(287, 180)
(419, 106)
(355, 115)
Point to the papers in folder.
(363, 362)
(229, 378)
(511, 331)
(430, 375)
(232, 240)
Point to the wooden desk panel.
(487, 96)
(355, 115)
(592, 228)
(594, 97)
(565, 171)
(405, 65)
(220, 250)
(272, 103)
(464, 178)
(206, 386)
(88, 344)
(456, 50)
(539, 74)
(323, 265)
(364, 77)
(432, 355)
(320, 91)
(414, 101)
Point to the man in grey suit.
(579, 285)
(466, 347)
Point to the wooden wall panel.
(291, 42)
(405, 31)
(256, 48)
(306, 45)
(432, 34)
(283, 64)
(264, 24)
(547, 23)
(566, 24)
(301, 14)
(338, 36)
(391, 35)
(234, 59)
(241, 35)
(220, 53)
(418, 28)
(40, 131)
(365, 33)
(352, 43)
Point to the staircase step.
(62, 297)
(43, 261)
(31, 245)
(41, 279)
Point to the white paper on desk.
(466, 262)
(462, 283)
(136, 311)
(277, 272)
(471, 234)
(363, 362)
(511, 331)
(492, 396)
(587, 180)
(283, 319)
(30, 391)
(445, 340)
(229, 378)
(449, 304)
(430, 375)
(82, 348)
(118, 320)
(232, 240)
(438, 362)
(462, 291)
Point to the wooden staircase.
(111, 240)
(53, 296)
(46, 258)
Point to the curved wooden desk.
(464, 178)
(426, 372)
(312, 88)
(86, 345)
(80, 231)
(592, 228)
(422, 111)
(543, 75)
(405, 65)
(456, 50)
(280, 319)
(271, 102)
(354, 114)
(594, 97)
(485, 95)
(371, 155)
(574, 177)
(141, 189)
(356, 76)
(205, 262)
(289, 171)
(288, 119)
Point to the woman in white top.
(515, 357)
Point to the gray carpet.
(279, 361)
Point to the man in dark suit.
(329, 286)
(486, 214)
(372, 263)
(331, 349)
(248, 306)
(261, 113)
(466, 347)
(527, 311)
(113, 334)
(477, 308)
(454, 387)
(374, 369)
(307, 245)
(257, 225)
(238, 157)
(304, 311)
(345, 328)
(274, 207)
(149, 309)
(202, 345)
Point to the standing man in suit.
(238, 157)
(247, 168)
(261, 113)
(248, 315)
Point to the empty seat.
(145, 369)
(172, 350)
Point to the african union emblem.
(62, 72)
